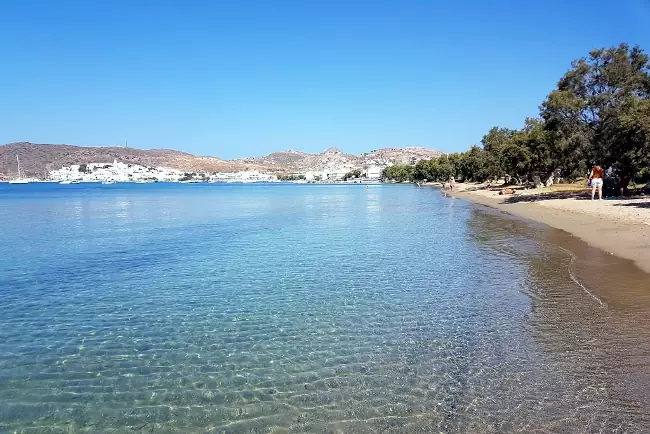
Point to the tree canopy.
(599, 113)
(398, 172)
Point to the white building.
(246, 177)
(374, 172)
(116, 171)
(337, 173)
(315, 175)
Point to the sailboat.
(21, 178)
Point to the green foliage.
(598, 114)
(398, 173)
(290, 177)
(187, 176)
(83, 168)
(599, 111)
(433, 170)
(352, 174)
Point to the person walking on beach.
(452, 183)
(596, 180)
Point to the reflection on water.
(309, 309)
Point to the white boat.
(21, 176)
(108, 182)
(65, 182)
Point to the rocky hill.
(332, 157)
(36, 160)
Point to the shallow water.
(308, 308)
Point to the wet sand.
(606, 330)
(620, 228)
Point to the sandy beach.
(619, 227)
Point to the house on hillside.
(373, 172)
(337, 174)
(315, 175)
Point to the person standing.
(623, 183)
(596, 180)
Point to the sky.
(246, 78)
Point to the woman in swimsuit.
(596, 179)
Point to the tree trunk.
(552, 177)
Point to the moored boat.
(21, 176)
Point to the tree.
(599, 113)
(356, 173)
(494, 142)
(398, 172)
(443, 168)
(456, 161)
(290, 177)
(516, 158)
(470, 166)
(187, 176)
(83, 168)
(423, 170)
(594, 104)
(497, 138)
(634, 136)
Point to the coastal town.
(25, 162)
(122, 172)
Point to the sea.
(285, 308)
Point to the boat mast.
(20, 175)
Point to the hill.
(332, 157)
(36, 160)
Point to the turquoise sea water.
(307, 308)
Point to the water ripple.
(304, 309)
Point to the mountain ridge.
(37, 160)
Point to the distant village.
(122, 172)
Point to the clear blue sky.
(244, 78)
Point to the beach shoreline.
(620, 227)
